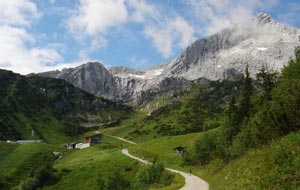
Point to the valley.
(224, 114)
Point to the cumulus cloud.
(166, 32)
(214, 15)
(142, 11)
(170, 34)
(18, 12)
(15, 19)
(94, 17)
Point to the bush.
(204, 148)
(113, 181)
(149, 175)
(29, 184)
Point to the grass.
(198, 109)
(82, 168)
(276, 166)
(128, 126)
(17, 161)
(53, 108)
(162, 148)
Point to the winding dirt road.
(128, 141)
(192, 182)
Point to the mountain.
(89, 77)
(52, 109)
(259, 42)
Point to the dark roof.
(70, 144)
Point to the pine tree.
(266, 80)
(247, 91)
(232, 127)
(297, 53)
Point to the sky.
(44, 35)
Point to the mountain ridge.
(53, 108)
(260, 42)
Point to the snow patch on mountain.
(262, 48)
(148, 74)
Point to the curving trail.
(192, 182)
(128, 141)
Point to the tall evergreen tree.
(232, 127)
(247, 91)
(297, 53)
(265, 80)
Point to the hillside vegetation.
(199, 109)
(51, 108)
(256, 144)
(103, 167)
(27, 165)
(237, 134)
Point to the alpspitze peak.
(264, 18)
(93, 64)
(223, 55)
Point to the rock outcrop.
(260, 42)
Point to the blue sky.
(42, 35)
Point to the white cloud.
(95, 17)
(141, 10)
(169, 34)
(18, 12)
(213, 15)
(92, 20)
(166, 29)
(15, 19)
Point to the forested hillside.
(266, 111)
(52, 109)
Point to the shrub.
(113, 181)
(149, 175)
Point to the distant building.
(88, 141)
(179, 150)
(82, 145)
(94, 139)
(25, 141)
(71, 145)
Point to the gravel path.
(192, 182)
(121, 139)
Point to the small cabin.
(94, 139)
(71, 145)
(179, 150)
(82, 145)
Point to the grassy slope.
(17, 161)
(199, 109)
(126, 127)
(98, 160)
(275, 166)
(52, 108)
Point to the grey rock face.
(261, 41)
(92, 77)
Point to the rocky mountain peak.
(224, 55)
(264, 18)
